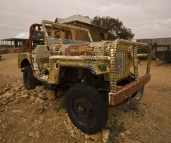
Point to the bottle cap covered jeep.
(95, 74)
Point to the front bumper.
(127, 90)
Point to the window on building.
(68, 35)
(101, 36)
(57, 34)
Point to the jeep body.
(103, 68)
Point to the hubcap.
(82, 110)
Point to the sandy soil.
(148, 122)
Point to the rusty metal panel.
(159, 41)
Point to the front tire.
(86, 108)
(28, 78)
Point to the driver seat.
(42, 56)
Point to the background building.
(97, 33)
(17, 41)
(159, 46)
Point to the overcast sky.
(146, 18)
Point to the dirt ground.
(21, 120)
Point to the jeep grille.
(120, 63)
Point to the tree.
(38, 35)
(114, 26)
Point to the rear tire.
(28, 78)
(86, 108)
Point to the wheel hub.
(83, 110)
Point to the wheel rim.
(82, 109)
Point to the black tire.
(86, 108)
(28, 78)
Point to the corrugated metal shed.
(22, 36)
(159, 41)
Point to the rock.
(37, 134)
(39, 110)
(25, 96)
(98, 137)
(122, 135)
(40, 95)
(86, 136)
(17, 89)
(105, 134)
(128, 132)
(39, 88)
(11, 99)
(18, 94)
(1, 109)
(68, 120)
(92, 137)
(30, 134)
(38, 100)
(73, 135)
(1, 92)
(17, 111)
(51, 94)
(26, 91)
(8, 95)
(71, 131)
(104, 140)
(69, 127)
(78, 133)
(32, 98)
(5, 102)
(16, 101)
(6, 89)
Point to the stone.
(105, 134)
(39, 109)
(104, 140)
(17, 89)
(1, 109)
(30, 134)
(78, 133)
(11, 99)
(51, 94)
(18, 94)
(73, 135)
(98, 137)
(5, 102)
(32, 98)
(37, 134)
(6, 89)
(71, 131)
(8, 95)
(128, 132)
(40, 95)
(68, 120)
(92, 137)
(16, 101)
(122, 135)
(26, 91)
(69, 127)
(38, 100)
(86, 136)
(17, 111)
(25, 96)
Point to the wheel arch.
(24, 63)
